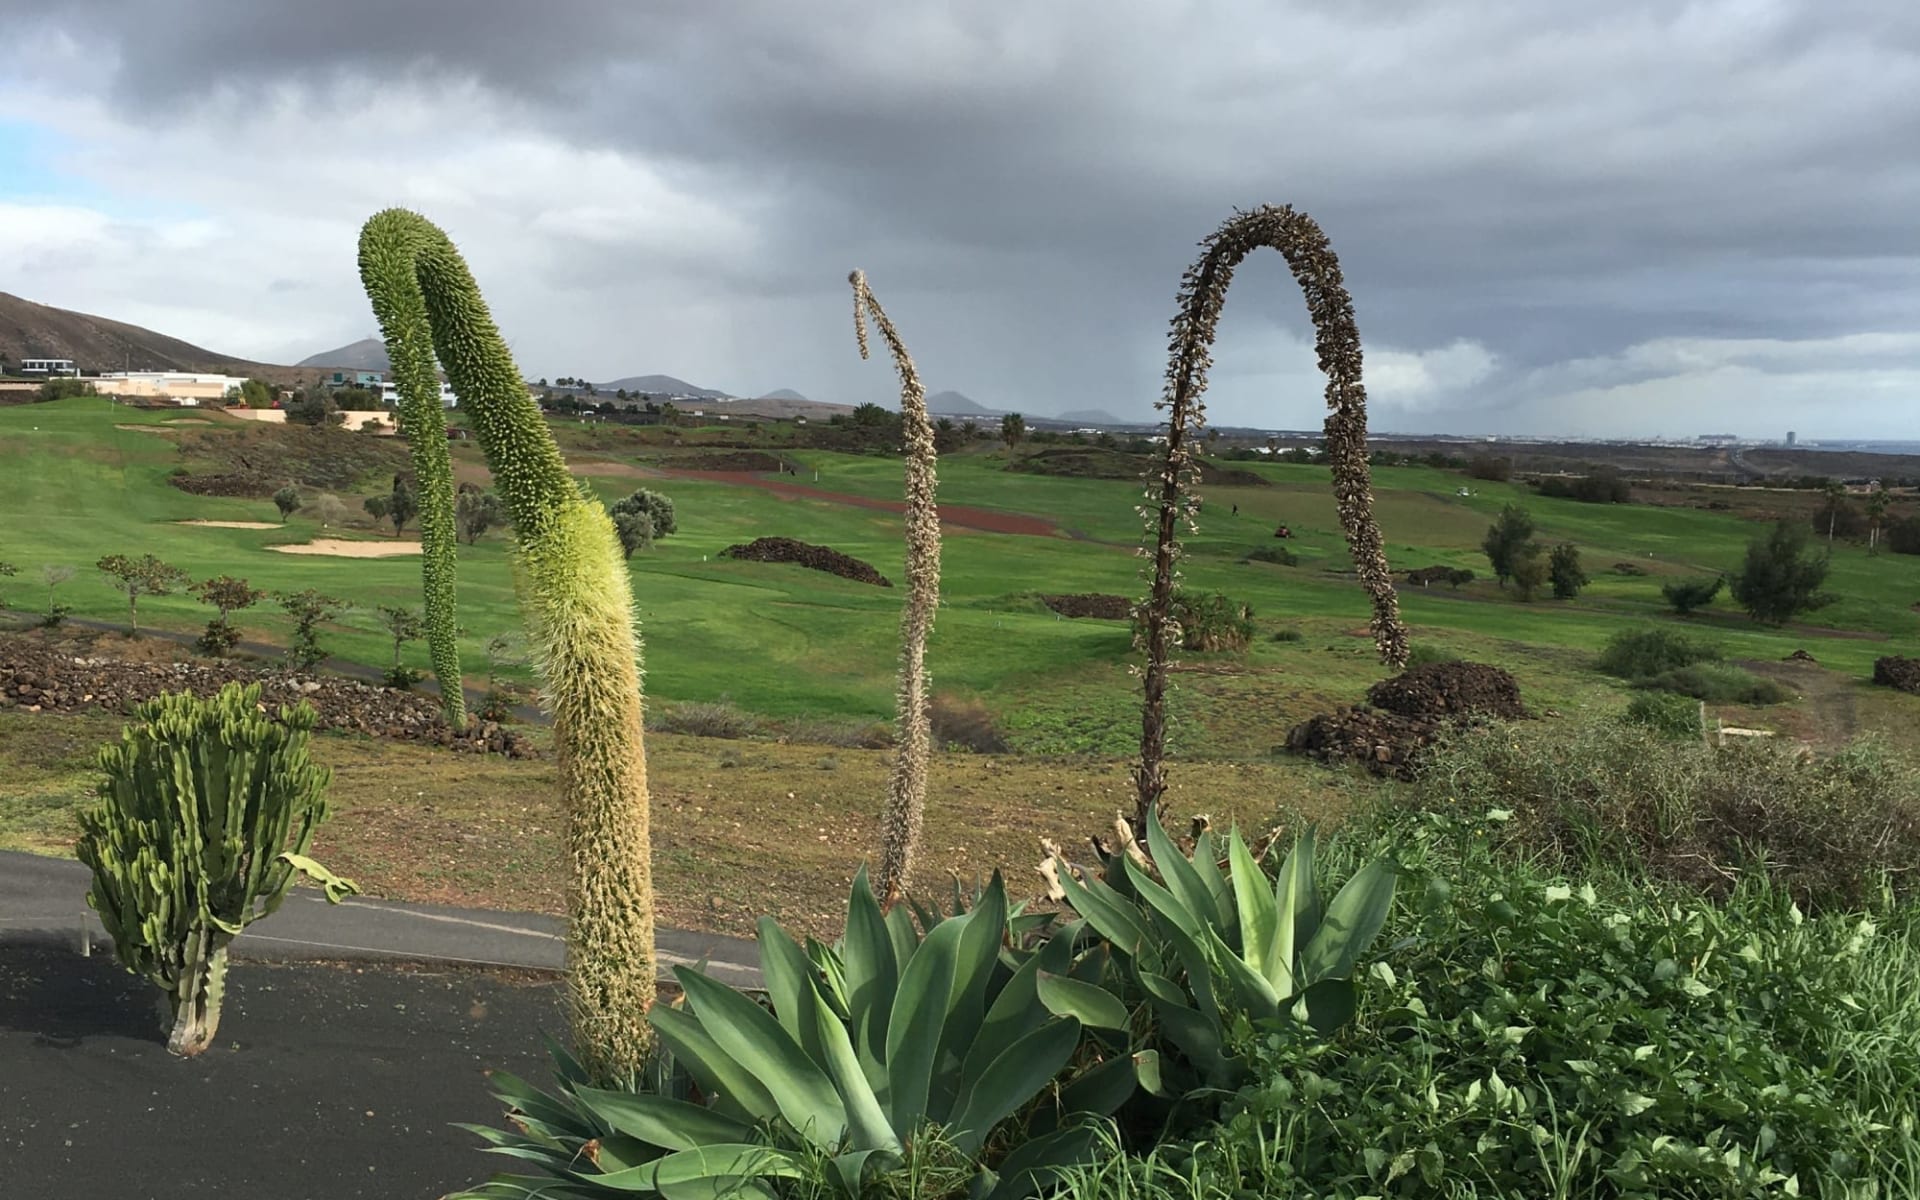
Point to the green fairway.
(783, 640)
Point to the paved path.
(42, 895)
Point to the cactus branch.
(576, 596)
(1203, 294)
(907, 788)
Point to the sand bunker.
(342, 548)
(231, 524)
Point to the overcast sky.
(1633, 218)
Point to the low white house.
(390, 395)
(182, 387)
(48, 366)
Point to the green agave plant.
(1216, 949)
(891, 1038)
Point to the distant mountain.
(367, 354)
(30, 330)
(1090, 416)
(783, 394)
(953, 404)
(660, 385)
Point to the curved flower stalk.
(907, 789)
(577, 599)
(1203, 294)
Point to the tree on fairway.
(1780, 577)
(1531, 570)
(402, 504)
(406, 625)
(308, 609)
(656, 507)
(475, 511)
(54, 575)
(314, 407)
(1877, 504)
(1685, 595)
(7, 568)
(228, 595)
(635, 531)
(1505, 538)
(1013, 429)
(378, 506)
(137, 577)
(1563, 568)
(1836, 493)
(287, 500)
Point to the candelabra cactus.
(907, 788)
(1203, 294)
(205, 814)
(578, 603)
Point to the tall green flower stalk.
(410, 355)
(907, 789)
(577, 599)
(1203, 294)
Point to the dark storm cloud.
(1554, 183)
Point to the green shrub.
(1826, 829)
(1291, 635)
(720, 718)
(1278, 555)
(1639, 653)
(1526, 1035)
(1675, 716)
(964, 724)
(1719, 683)
(205, 813)
(1425, 654)
(1208, 622)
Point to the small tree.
(137, 577)
(1013, 428)
(475, 511)
(287, 500)
(406, 625)
(1836, 493)
(1458, 576)
(1877, 504)
(6, 569)
(378, 506)
(1505, 538)
(314, 407)
(228, 595)
(1563, 568)
(1685, 595)
(55, 575)
(1780, 577)
(635, 530)
(308, 609)
(256, 393)
(1530, 570)
(656, 507)
(61, 389)
(402, 504)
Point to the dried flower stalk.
(907, 789)
(1203, 294)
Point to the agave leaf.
(1296, 905)
(906, 938)
(1197, 1038)
(1206, 864)
(1250, 988)
(1112, 915)
(913, 1028)
(754, 1039)
(729, 1162)
(976, 960)
(1184, 932)
(716, 1071)
(566, 1066)
(866, 1121)
(1017, 1010)
(1037, 1164)
(1182, 879)
(1330, 1004)
(1352, 921)
(1012, 1080)
(1087, 1003)
(658, 1121)
(549, 1110)
(872, 975)
(1258, 912)
(851, 1168)
(337, 887)
(790, 982)
(1101, 1091)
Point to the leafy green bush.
(1425, 654)
(1278, 555)
(704, 718)
(1526, 1035)
(1289, 635)
(1719, 683)
(1829, 830)
(1208, 621)
(1639, 653)
(1664, 712)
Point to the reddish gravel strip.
(958, 515)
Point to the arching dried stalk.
(1203, 294)
(907, 790)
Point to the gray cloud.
(1548, 186)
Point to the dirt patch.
(1450, 689)
(1900, 673)
(959, 516)
(728, 460)
(36, 678)
(342, 548)
(1095, 605)
(1801, 656)
(232, 484)
(1093, 462)
(805, 554)
(231, 524)
(616, 470)
(1408, 714)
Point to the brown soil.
(236, 484)
(958, 515)
(805, 554)
(727, 460)
(1450, 689)
(1895, 671)
(1096, 605)
(1386, 742)
(231, 524)
(342, 548)
(38, 678)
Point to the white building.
(182, 387)
(48, 366)
(390, 395)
